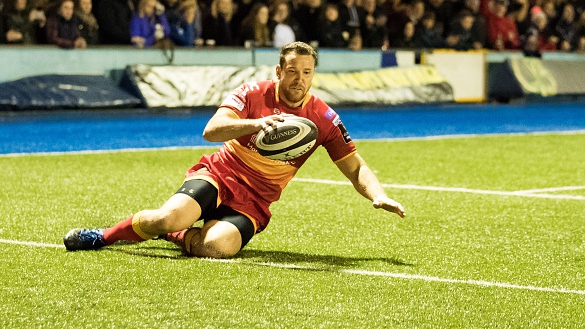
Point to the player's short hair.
(298, 47)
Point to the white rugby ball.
(290, 139)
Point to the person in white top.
(283, 33)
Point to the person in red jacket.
(539, 36)
(502, 33)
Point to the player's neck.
(291, 105)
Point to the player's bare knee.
(220, 249)
(167, 220)
(216, 244)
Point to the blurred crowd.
(531, 26)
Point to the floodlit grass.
(327, 257)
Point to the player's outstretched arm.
(226, 124)
(366, 183)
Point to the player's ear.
(278, 71)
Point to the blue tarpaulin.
(64, 92)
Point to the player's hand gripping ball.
(289, 140)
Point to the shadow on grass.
(170, 252)
(263, 256)
(287, 257)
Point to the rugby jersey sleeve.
(336, 139)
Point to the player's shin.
(127, 230)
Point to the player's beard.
(294, 94)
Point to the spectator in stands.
(331, 34)
(149, 24)
(351, 16)
(63, 29)
(539, 36)
(22, 24)
(185, 32)
(87, 22)
(355, 40)
(373, 28)
(566, 28)
(502, 33)
(40, 10)
(580, 43)
(241, 9)
(172, 11)
(399, 15)
(549, 7)
(426, 35)
(407, 39)
(255, 27)
(2, 24)
(113, 18)
(461, 35)
(283, 28)
(579, 8)
(444, 13)
(308, 14)
(217, 28)
(16, 23)
(479, 29)
(519, 12)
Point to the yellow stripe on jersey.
(345, 157)
(278, 172)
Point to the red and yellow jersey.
(249, 182)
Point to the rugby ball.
(290, 139)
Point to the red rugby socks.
(128, 230)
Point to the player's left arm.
(367, 184)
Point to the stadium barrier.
(45, 92)
(472, 76)
(465, 71)
(192, 86)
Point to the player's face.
(295, 78)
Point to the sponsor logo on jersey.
(330, 114)
(247, 87)
(344, 132)
(337, 120)
(234, 101)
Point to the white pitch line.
(461, 136)
(107, 151)
(553, 189)
(391, 139)
(450, 189)
(32, 244)
(470, 282)
(404, 276)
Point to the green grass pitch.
(494, 238)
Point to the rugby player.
(231, 189)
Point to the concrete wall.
(17, 61)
